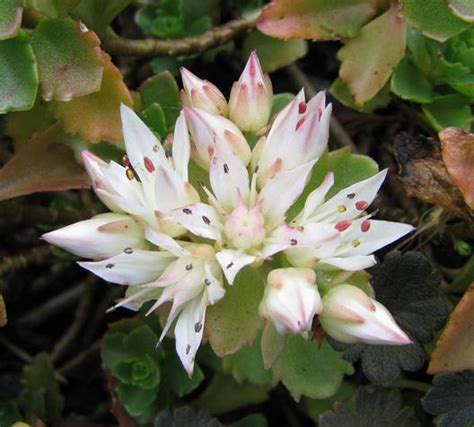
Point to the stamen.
(110, 265)
(125, 161)
(128, 251)
(302, 107)
(130, 174)
(226, 168)
(365, 226)
(188, 348)
(187, 211)
(293, 242)
(149, 166)
(189, 267)
(355, 243)
(197, 327)
(207, 282)
(361, 205)
(230, 265)
(351, 195)
(155, 148)
(300, 122)
(342, 225)
(206, 220)
(341, 209)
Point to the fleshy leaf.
(455, 347)
(463, 9)
(223, 395)
(135, 399)
(409, 287)
(316, 19)
(41, 164)
(300, 368)
(69, 59)
(274, 53)
(98, 14)
(382, 407)
(18, 74)
(247, 365)
(11, 12)
(162, 89)
(409, 83)
(457, 150)
(449, 110)
(452, 397)
(433, 18)
(39, 375)
(342, 93)
(234, 321)
(96, 117)
(177, 377)
(369, 59)
(272, 345)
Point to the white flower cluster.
(170, 246)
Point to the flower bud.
(251, 97)
(291, 299)
(202, 94)
(208, 129)
(100, 237)
(350, 315)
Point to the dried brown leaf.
(457, 150)
(454, 350)
(424, 175)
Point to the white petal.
(228, 177)
(181, 148)
(318, 101)
(350, 202)
(316, 197)
(164, 241)
(379, 234)
(351, 263)
(170, 190)
(100, 237)
(200, 219)
(214, 287)
(280, 192)
(188, 332)
(141, 143)
(131, 268)
(232, 261)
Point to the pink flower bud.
(350, 315)
(291, 299)
(202, 94)
(251, 97)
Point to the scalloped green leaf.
(69, 59)
(53, 8)
(317, 19)
(40, 375)
(309, 369)
(18, 74)
(274, 53)
(449, 111)
(409, 83)
(369, 59)
(463, 9)
(433, 18)
(11, 12)
(234, 321)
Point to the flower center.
(245, 228)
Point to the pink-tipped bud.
(291, 299)
(202, 94)
(207, 130)
(350, 315)
(251, 97)
(100, 237)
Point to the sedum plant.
(171, 238)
